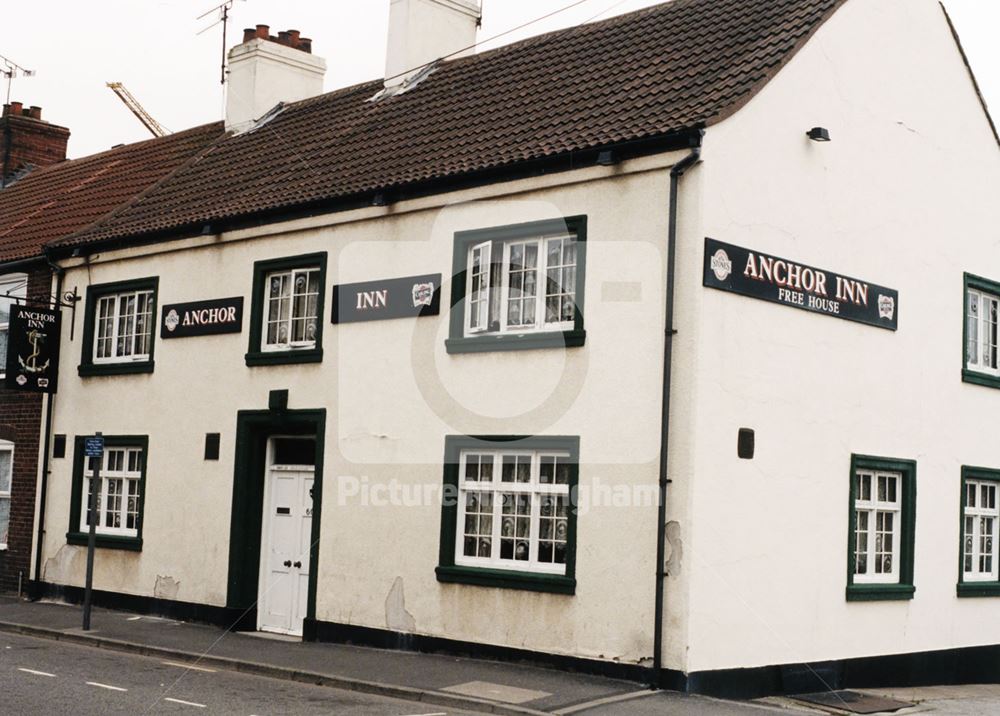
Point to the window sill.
(977, 378)
(978, 589)
(90, 369)
(132, 544)
(289, 357)
(516, 342)
(507, 579)
(879, 592)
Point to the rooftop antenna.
(223, 11)
(12, 70)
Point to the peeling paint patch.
(166, 587)
(396, 616)
(62, 566)
(673, 565)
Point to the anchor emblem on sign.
(31, 364)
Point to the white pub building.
(412, 363)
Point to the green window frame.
(89, 366)
(979, 483)
(78, 529)
(900, 480)
(495, 240)
(980, 296)
(256, 354)
(537, 572)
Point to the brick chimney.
(421, 31)
(265, 70)
(26, 140)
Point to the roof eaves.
(51, 248)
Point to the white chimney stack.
(421, 31)
(265, 70)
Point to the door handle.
(298, 565)
(288, 563)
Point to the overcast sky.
(152, 46)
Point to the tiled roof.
(675, 66)
(59, 200)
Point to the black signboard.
(752, 273)
(202, 318)
(406, 297)
(33, 349)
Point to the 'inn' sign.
(406, 297)
(751, 273)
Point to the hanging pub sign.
(33, 349)
(202, 318)
(406, 297)
(757, 275)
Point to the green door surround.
(253, 428)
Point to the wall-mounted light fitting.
(379, 200)
(819, 134)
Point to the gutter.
(661, 527)
(47, 441)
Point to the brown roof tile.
(676, 66)
(59, 200)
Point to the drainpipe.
(675, 174)
(37, 591)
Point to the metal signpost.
(92, 448)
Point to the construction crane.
(155, 128)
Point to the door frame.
(265, 534)
(254, 428)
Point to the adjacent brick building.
(44, 198)
(27, 141)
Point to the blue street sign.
(93, 447)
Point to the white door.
(287, 535)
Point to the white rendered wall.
(392, 394)
(262, 74)
(905, 196)
(421, 31)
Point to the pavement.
(473, 685)
(144, 663)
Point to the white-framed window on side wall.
(12, 288)
(877, 521)
(883, 495)
(6, 478)
(981, 329)
(979, 572)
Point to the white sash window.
(118, 497)
(877, 507)
(123, 327)
(290, 309)
(6, 477)
(980, 520)
(981, 332)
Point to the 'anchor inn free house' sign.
(769, 278)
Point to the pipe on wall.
(675, 175)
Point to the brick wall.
(21, 424)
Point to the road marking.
(185, 703)
(105, 686)
(133, 619)
(189, 666)
(436, 713)
(37, 673)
